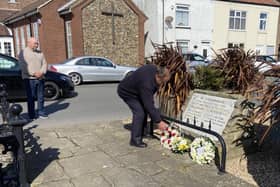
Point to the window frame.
(236, 18)
(16, 32)
(9, 52)
(22, 37)
(240, 45)
(264, 20)
(182, 8)
(16, 66)
(69, 41)
(179, 45)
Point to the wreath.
(202, 150)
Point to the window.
(8, 64)
(102, 62)
(11, 1)
(22, 37)
(35, 30)
(8, 48)
(237, 20)
(84, 62)
(182, 16)
(183, 45)
(263, 18)
(270, 50)
(28, 33)
(196, 57)
(231, 45)
(69, 39)
(17, 40)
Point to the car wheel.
(76, 78)
(51, 91)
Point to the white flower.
(202, 150)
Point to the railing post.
(17, 123)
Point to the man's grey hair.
(161, 70)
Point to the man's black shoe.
(140, 144)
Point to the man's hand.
(162, 125)
(38, 74)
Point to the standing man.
(137, 90)
(33, 68)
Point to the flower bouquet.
(166, 135)
(179, 144)
(171, 139)
(202, 150)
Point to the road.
(94, 102)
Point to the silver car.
(91, 68)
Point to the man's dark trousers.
(34, 90)
(139, 119)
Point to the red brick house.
(113, 29)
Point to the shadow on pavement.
(56, 106)
(37, 158)
(51, 108)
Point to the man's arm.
(44, 65)
(147, 98)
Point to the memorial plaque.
(204, 108)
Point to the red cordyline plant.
(268, 92)
(242, 76)
(237, 68)
(174, 93)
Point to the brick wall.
(51, 32)
(97, 32)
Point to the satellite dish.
(168, 19)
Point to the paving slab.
(89, 155)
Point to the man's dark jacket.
(141, 85)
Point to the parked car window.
(265, 59)
(197, 57)
(84, 62)
(103, 62)
(269, 59)
(8, 64)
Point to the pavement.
(88, 155)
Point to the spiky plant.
(174, 93)
(237, 67)
(268, 93)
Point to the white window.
(36, 30)
(262, 24)
(28, 32)
(237, 20)
(22, 37)
(182, 16)
(69, 39)
(8, 48)
(270, 50)
(17, 40)
(183, 46)
(11, 1)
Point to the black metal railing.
(222, 162)
(11, 137)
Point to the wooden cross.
(113, 14)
